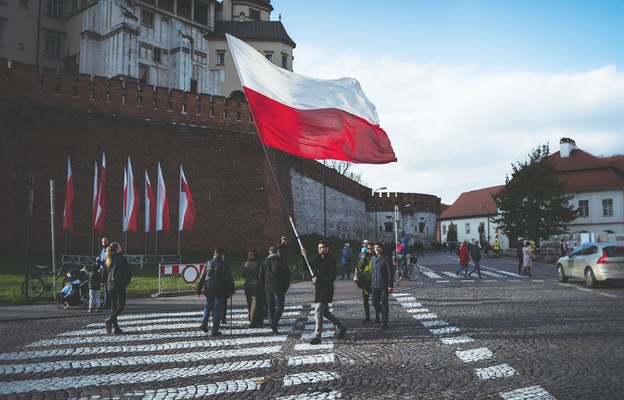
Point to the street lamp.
(488, 221)
(376, 228)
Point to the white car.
(593, 262)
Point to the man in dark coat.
(382, 283)
(218, 283)
(275, 276)
(475, 254)
(324, 275)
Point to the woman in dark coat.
(253, 288)
(118, 275)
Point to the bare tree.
(344, 168)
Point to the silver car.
(593, 262)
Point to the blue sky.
(466, 88)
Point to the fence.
(133, 259)
(173, 278)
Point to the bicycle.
(412, 272)
(38, 284)
(297, 270)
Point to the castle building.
(175, 44)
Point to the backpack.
(400, 248)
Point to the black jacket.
(216, 279)
(275, 275)
(118, 274)
(383, 274)
(325, 271)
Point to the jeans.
(380, 302)
(322, 310)
(346, 268)
(118, 303)
(275, 304)
(214, 305)
(477, 268)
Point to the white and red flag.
(187, 206)
(307, 117)
(100, 209)
(69, 199)
(95, 195)
(162, 206)
(150, 205)
(131, 201)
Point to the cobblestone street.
(501, 337)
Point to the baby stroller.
(75, 293)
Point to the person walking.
(464, 259)
(475, 254)
(118, 277)
(528, 257)
(520, 255)
(254, 291)
(217, 282)
(324, 273)
(363, 274)
(382, 284)
(100, 261)
(346, 255)
(275, 277)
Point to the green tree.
(451, 234)
(533, 204)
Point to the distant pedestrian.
(520, 255)
(563, 248)
(528, 258)
(346, 255)
(382, 284)
(324, 274)
(254, 291)
(217, 282)
(101, 261)
(364, 272)
(275, 277)
(464, 259)
(475, 254)
(118, 277)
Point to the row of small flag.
(156, 206)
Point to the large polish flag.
(131, 202)
(307, 117)
(101, 200)
(162, 206)
(150, 205)
(187, 206)
(69, 199)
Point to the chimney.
(566, 147)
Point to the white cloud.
(459, 128)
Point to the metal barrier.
(133, 259)
(173, 278)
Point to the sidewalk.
(302, 292)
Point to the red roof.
(584, 172)
(473, 204)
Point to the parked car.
(593, 262)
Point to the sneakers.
(342, 332)
(217, 333)
(316, 340)
(109, 326)
(274, 329)
(367, 319)
(203, 328)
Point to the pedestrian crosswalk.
(489, 274)
(165, 356)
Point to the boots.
(366, 311)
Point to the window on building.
(169, 106)
(238, 115)
(91, 94)
(607, 208)
(467, 228)
(139, 101)
(124, 99)
(225, 114)
(183, 108)
(254, 14)
(143, 73)
(154, 104)
(583, 208)
(193, 85)
(147, 18)
(284, 60)
(212, 112)
(166, 5)
(421, 227)
(157, 53)
(269, 56)
(54, 8)
(444, 229)
(108, 97)
(220, 58)
(52, 45)
(388, 226)
(198, 110)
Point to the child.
(95, 282)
